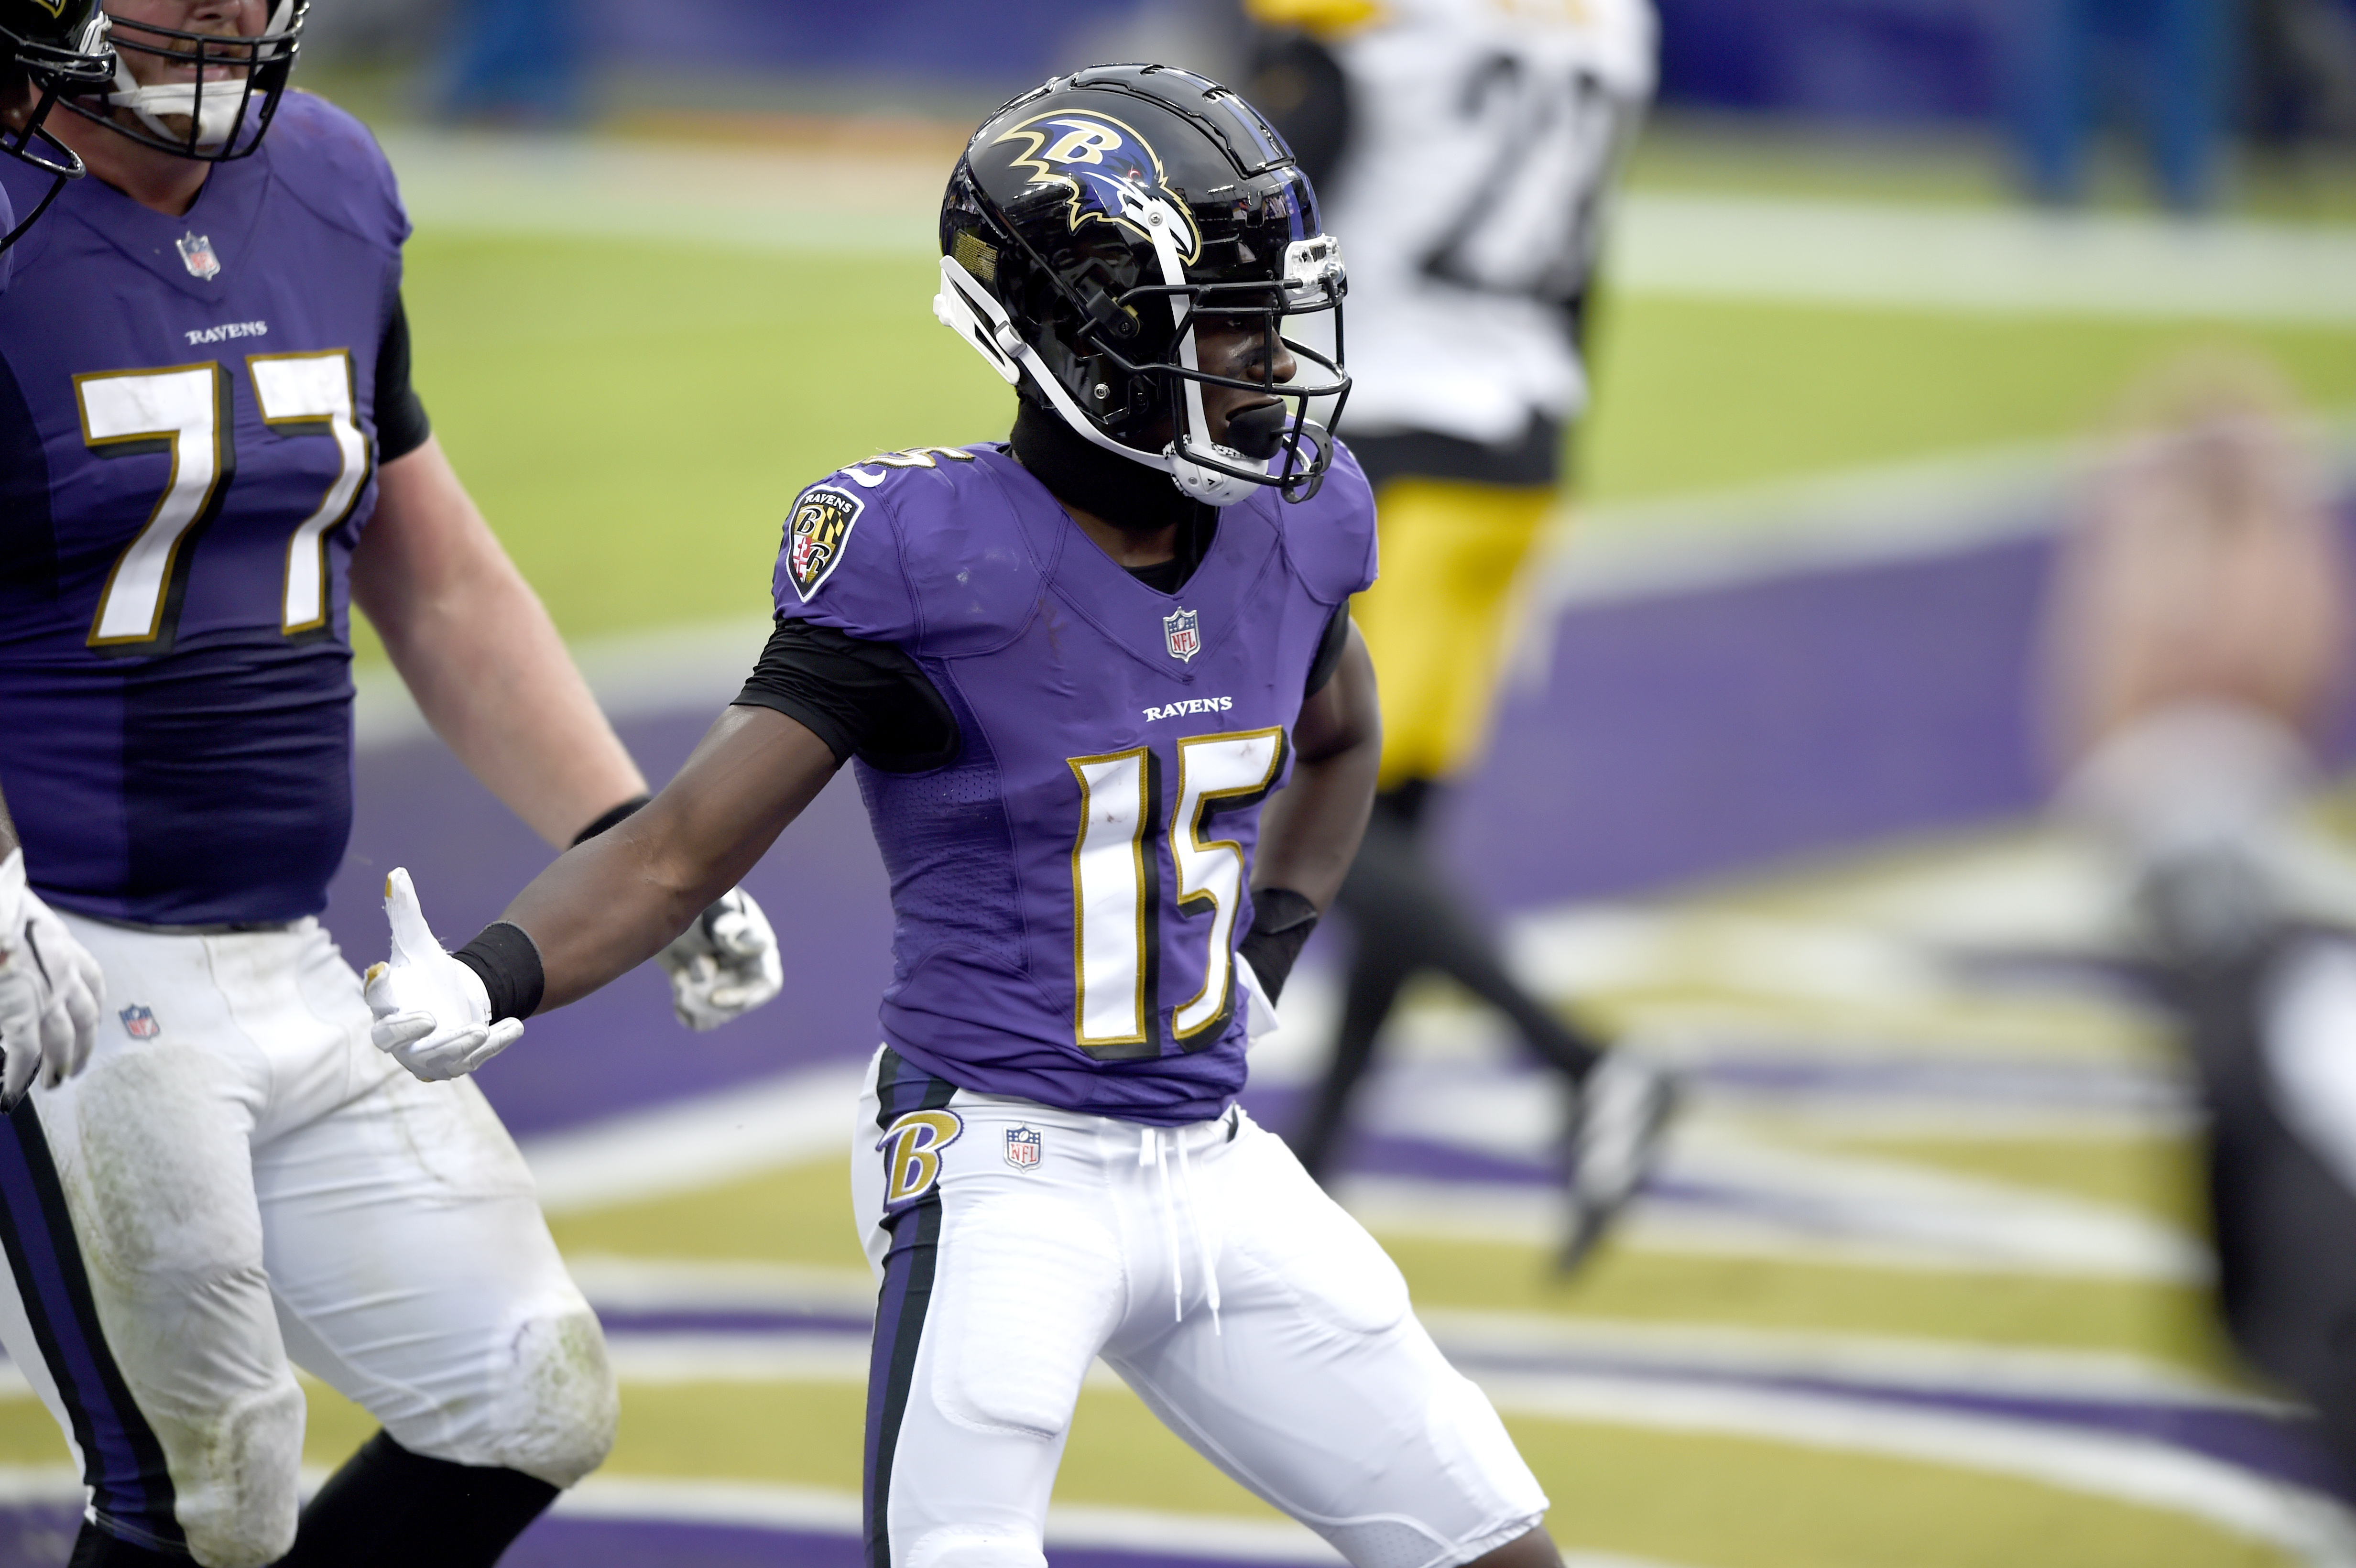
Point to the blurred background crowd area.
(2233, 101)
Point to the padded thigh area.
(1031, 1288)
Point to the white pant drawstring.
(1203, 1249)
(1150, 1152)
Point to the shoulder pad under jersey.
(1330, 538)
(921, 547)
(329, 163)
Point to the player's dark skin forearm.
(1309, 831)
(607, 907)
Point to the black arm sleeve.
(401, 426)
(863, 698)
(1330, 649)
(1298, 85)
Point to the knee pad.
(960, 1548)
(553, 1415)
(238, 1483)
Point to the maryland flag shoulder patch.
(817, 534)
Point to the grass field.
(635, 416)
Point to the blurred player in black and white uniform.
(1467, 147)
(2201, 633)
(210, 453)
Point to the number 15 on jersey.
(1116, 893)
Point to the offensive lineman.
(1075, 670)
(1470, 144)
(210, 452)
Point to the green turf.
(635, 417)
(2162, 1323)
(800, 1215)
(1694, 395)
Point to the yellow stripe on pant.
(1442, 618)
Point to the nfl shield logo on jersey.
(1181, 629)
(197, 255)
(1023, 1147)
(140, 1023)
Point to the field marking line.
(2135, 1471)
(1788, 251)
(700, 1142)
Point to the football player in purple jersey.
(1118, 741)
(210, 452)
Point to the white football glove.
(724, 964)
(1261, 1021)
(432, 1015)
(51, 990)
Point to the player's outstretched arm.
(604, 907)
(1310, 831)
(616, 900)
(480, 654)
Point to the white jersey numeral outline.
(1215, 771)
(183, 410)
(1111, 886)
(1115, 937)
(313, 393)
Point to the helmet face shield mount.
(218, 93)
(1127, 245)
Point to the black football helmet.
(224, 89)
(1093, 222)
(57, 48)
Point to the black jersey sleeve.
(401, 426)
(863, 698)
(1330, 649)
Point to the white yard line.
(1994, 260)
(702, 1142)
(2129, 1470)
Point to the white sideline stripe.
(2128, 1470)
(671, 669)
(1962, 1237)
(1793, 250)
(1864, 1361)
(1673, 1354)
(2001, 260)
(702, 1142)
(811, 1508)
(671, 1359)
(699, 1285)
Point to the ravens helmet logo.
(1110, 171)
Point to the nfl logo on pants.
(1022, 1148)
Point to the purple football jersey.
(1069, 890)
(186, 459)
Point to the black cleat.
(1622, 1110)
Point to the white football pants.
(1015, 1243)
(241, 1179)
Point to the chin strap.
(217, 113)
